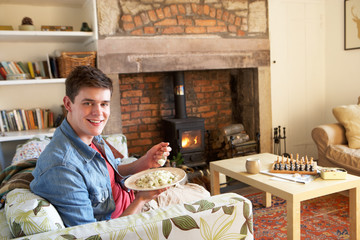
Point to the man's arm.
(66, 190)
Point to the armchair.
(333, 148)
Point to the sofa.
(28, 216)
(338, 143)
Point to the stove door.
(191, 140)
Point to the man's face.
(89, 112)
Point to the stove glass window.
(191, 139)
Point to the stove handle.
(178, 139)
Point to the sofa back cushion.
(349, 117)
(31, 148)
(28, 214)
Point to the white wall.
(342, 68)
(297, 36)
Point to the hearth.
(186, 135)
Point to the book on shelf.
(23, 67)
(18, 121)
(32, 69)
(54, 67)
(3, 72)
(21, 119)
(5, 121)
(2, 125)
(12, 67)
(6, 67)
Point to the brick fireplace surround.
(142, 42)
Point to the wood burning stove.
(186, 135)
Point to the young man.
(77, 172)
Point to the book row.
(20, 119)
(11, 70)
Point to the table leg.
(214, 182)
(267, 199)
(293, 219)
(354, 211)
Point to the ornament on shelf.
(27, 24)
(85, 27)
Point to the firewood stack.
(233, 141)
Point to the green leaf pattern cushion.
(224, 216)
(28, 214)
(4, 228)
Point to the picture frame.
(351, 24)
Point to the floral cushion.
(4, 228)
(225, 216)
(27, 213)
(31, 149)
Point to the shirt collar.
(86, 151)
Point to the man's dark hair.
(86, 76)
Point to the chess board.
(294, 165)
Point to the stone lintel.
(136, 54)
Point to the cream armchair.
(333, 149)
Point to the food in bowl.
(155, 179)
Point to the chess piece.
(281, 167)
(276, 165)
(287, 164)
(302, 165)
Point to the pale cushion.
(179, 194)
(119, 142)
(349, 117)
(31, 149)
(28, 214)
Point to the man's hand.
(149, 160)
(157, 153)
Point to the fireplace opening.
(214, 99)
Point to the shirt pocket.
(99, 197)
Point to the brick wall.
(147, 98)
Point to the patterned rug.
(321, 218)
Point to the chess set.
(291, 165)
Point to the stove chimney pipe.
(179, 92)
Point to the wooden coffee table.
(293, 193)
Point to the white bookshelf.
(46, 36)
(31, 81)
(33, 46)
(25, 135)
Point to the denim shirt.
(74, 177)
